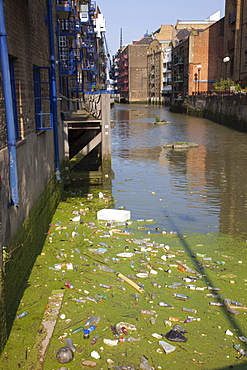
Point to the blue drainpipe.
(9, 112)
(53, 90)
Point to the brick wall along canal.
(200, 189)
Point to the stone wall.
(228, 110)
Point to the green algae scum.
(115, 291)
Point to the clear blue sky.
(135, 17)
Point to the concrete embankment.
(229, 110)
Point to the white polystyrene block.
(120, 215)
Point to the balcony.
(178, 96)
(63, 9)
(67, 28)
(92, 7)
(67, 63)
(167, 80)
(178, 60)
(88, 65)
(167, 88)
(179, 77)
(167, 69)
(90, 29)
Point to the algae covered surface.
(175, 272)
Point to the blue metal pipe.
(53, 90)
(9, 112)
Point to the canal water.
(202, 189)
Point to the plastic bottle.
(86, 332)
(188, 280)
(192, 310)
(215, 289)
(145, 366)
(163, 304)
(97, 320)
(240, 350)
(83, 258)
(132, 264)
(123, 223)
(124, 330)
(191, 319)
(78, 300)
(105, 286)
(147, 312)
(237, 303)
(200, 255)
(218, 304)
(53, 268)
(181, 296)
(227, 302)
(128, 339)
(69, 285)
(243, 339)
(94, 340)
(69, 343)
(136, 296)
(91, 328)
(90, 321)
(106, 269)
(121, 287)
(21, 315)
(171, 318)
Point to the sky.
(136, 17)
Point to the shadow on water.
(205, 277)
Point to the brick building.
(132, 71)
(158, 65)
(197, 54)
(206, 50)
(235, 50)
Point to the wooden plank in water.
(36, 357)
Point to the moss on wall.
(178, 108)
(21, 254)
(224, 110)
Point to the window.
(42, 100)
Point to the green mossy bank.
(19, 257)
(215, 261)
